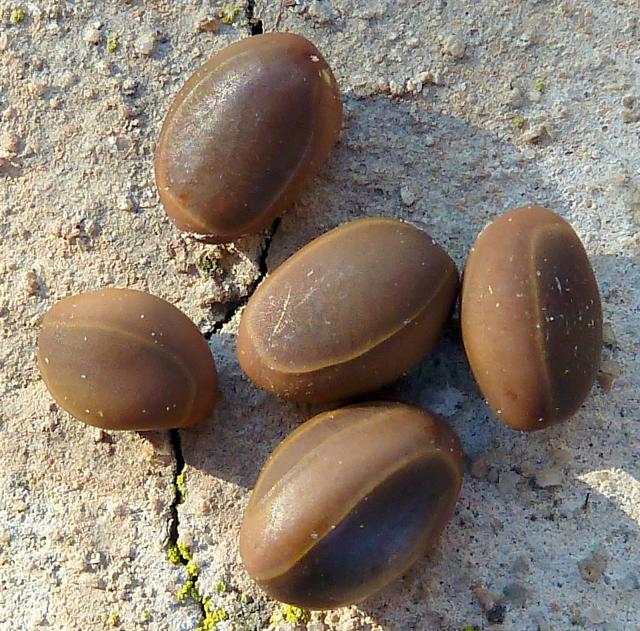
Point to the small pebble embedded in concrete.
(91, 34)
(593, 566)
(145, 44)
(208, 24)
(408, 196)
(454, 46)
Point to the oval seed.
(531, 318)
(348, 313)
(348, 502)
(124, 359)
(245, 133)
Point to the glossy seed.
(531, 318)
(245, 133)
(348, 313)
(124, 359)
(348, 502)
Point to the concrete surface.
(454, 111)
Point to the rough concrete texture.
(454, 111)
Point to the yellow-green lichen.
(220, 587)
(17, 16)
(181, 487)
(229, 13)
(111, 620)
(518, 122)
(112, 44)
(177, 553)
(206, 264)
(212, 616)
(185, 551)
(173, 554)
(470, 627)
(189, 591)
(146, 616)
(539, 85)
(290, 613)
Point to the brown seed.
(349, 501)
(124, 359)
(348, 313)
(245, 133)
(531, 318)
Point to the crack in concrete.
(183, 555)
(174, 521)
(255, 24)
(234, 306)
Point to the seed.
(350, 312)
(348, 502)
(535, 358)
(244, 134)
(99, 362)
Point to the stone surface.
(83, 517)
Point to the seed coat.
(244, 135)
(350, 312)
(124, 359)
(531, 318)
(349, 501)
